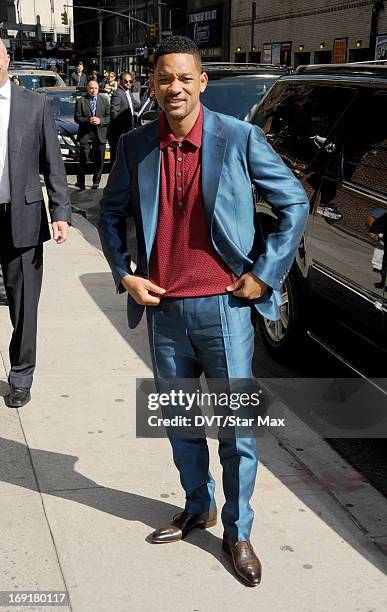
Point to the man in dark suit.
(92, 113)
(78, 77)
(123, 106)
(203, 270)
(28, 146)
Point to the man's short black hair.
(178, 44)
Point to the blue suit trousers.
(213, 335)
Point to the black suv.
(329, 124)
(237, 89)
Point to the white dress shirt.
(5, 107)
(130, 105)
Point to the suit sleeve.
(114, 212)
(285, 194)
(78, 115)
(115, 105)
(52, 168)
(136, 102)
(105, 119)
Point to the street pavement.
(80, 494)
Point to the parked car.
(329, 124)
(235, 89)
(20, 65)
(34, 79)
(62, 100)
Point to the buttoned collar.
(194, 137)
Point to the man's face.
(178, 83)
(92, 88)
(4, 62)
(126, 81)
(79, 67)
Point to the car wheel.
(281, 337)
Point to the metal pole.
(253, 15)
(160, 17)
(101, 10)
(100, 22)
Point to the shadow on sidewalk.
(124, 505)
(100, 287)
(4, 388)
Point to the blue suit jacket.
(235, 154)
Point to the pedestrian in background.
(78, 77)
(378, 231)
(136, 87)
(92, 113)
(23, 219)
(123, 107)
(148, 103)
(15, 79)
(109, 83)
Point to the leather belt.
(4, 206)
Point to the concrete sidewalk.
(79, 494)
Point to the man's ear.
(203, 81)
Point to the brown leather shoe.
(245, 561)
(181, 525)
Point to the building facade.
(36, 29)
(208, 24)
(128, 33)
(301, 32)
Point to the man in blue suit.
(203, 268)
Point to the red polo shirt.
(183, 260)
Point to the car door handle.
(329, 212)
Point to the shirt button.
(179, 159)
(178, 174)
(180, 189)
(180, 204)
(180, 144)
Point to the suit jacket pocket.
(34, 195)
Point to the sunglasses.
(127, 81)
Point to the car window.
(34, 81)
(298, 118)
(235, 96)
(365, 153)
(63, 105)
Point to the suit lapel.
(149, 184)
(19, 111)
(86, 106)
(213, 152)
(124, 98)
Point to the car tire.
(282, 338)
